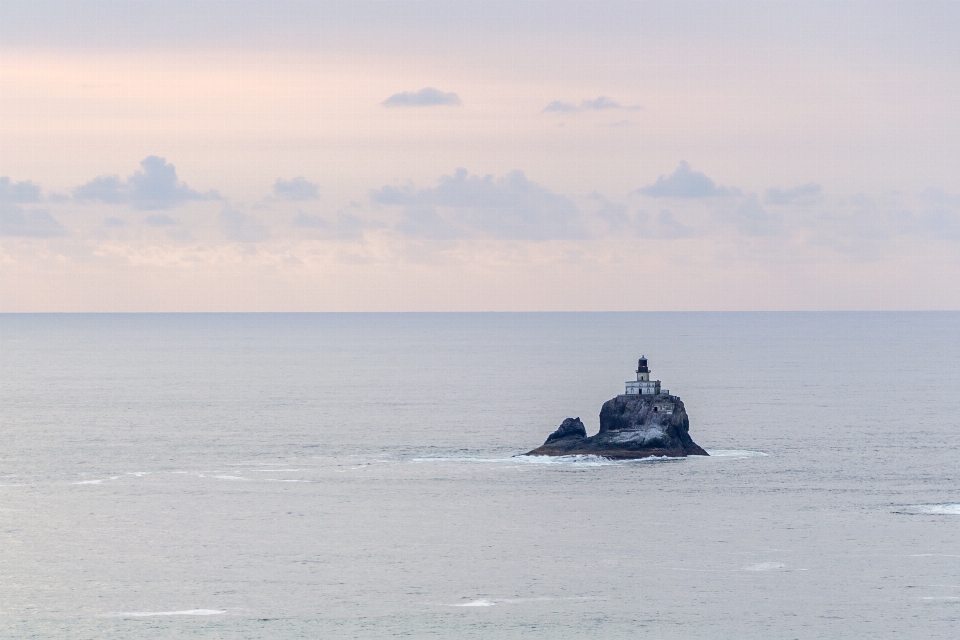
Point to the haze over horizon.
(479, 155)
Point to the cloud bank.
(683, 229)
(463, 205)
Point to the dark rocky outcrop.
(569, 427)
(630, 427)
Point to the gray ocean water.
(353, 475)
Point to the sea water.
(358, 476)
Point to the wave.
(944, 509)
(476, 603)
(148, 614)
(735, 453)
(764, 566)
(575, 461)
(485, 602)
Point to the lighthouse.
(642, 385)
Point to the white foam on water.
(520, 600)
(284, 480)
(148, 614)
(939, 598)
(476, 603)
(574, 461)
(232, 478)
(736, 453)
(89, 481)
(140, 474)
(590, 461)
(947, 509)
(485, 602)
(764, 566)
(258, 464)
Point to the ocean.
(360, 476)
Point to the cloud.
(599, 103)
(241, 227)
(664, 226)
(426, 97)
(806, 194)
(685, 183)
(16, 221)
(560, 107)
(160, 220)
(345, 226)
(426, 222)
(114, 222)
(155, 186)
(940, 223)
(753, 220)
(511, 207)
(18, 192)
(296, 189)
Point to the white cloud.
(463, 205)
(426, 97)
(599, 103)
(345, 226)
(160, 220)
(18, 192)
(751, 219)
(155, 186)
(241, 227)
(685, 183)
(664, 226)
(809, 193)
(15, 221)
(295, 189)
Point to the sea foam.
(575, 461)
(946, 509)
(148, 614)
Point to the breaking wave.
(736, 453)
(946, 509)
(148, 614)
(573, 461)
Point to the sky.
(479, 156)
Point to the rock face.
(632, 426)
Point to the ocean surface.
(357, 476)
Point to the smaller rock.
(571, 427)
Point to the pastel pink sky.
(448, 156)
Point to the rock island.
(645, 421)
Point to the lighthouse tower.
(642, 385)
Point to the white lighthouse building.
(643, 385)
